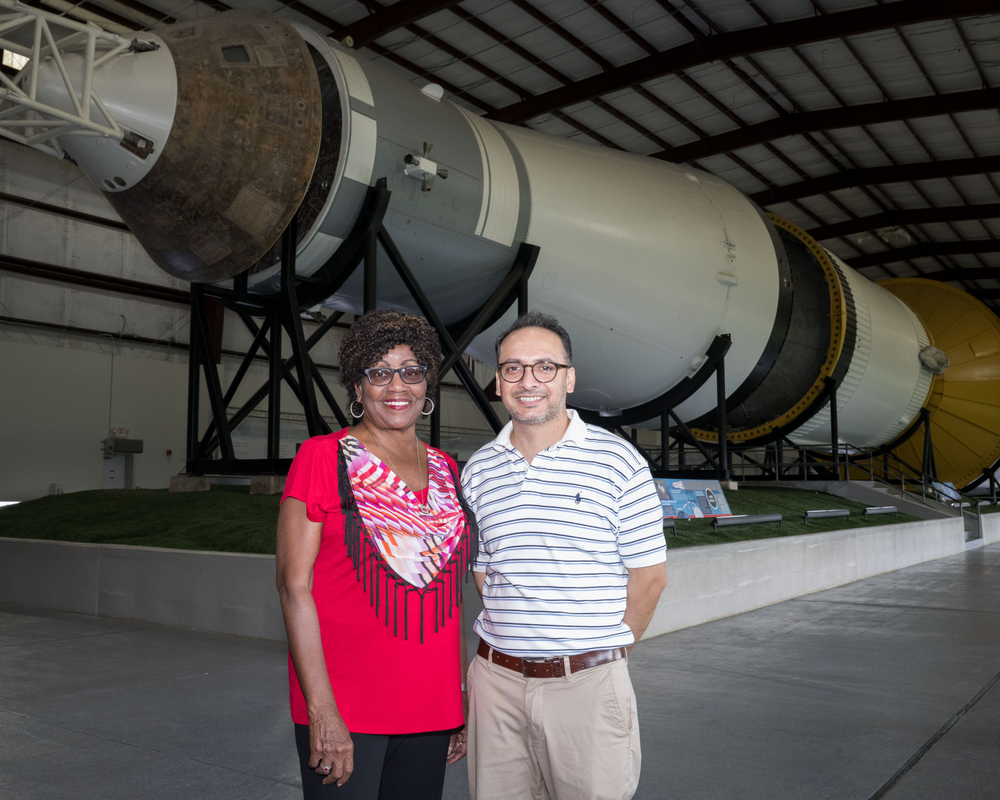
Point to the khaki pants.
(570, 738)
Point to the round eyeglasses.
(544, 371)
(382, 376)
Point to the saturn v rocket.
(230, 125)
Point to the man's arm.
(645, 584)
(480, 579)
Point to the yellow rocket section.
(964, 402)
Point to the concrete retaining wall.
(991, 528)
(234, 593)
(222, 592)
(714, 581)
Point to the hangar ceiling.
(872, 125)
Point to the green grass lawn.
(788, 502)
(229, 519)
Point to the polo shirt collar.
(576, 432)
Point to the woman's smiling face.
(397, 405)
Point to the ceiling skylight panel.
(861, 203)
(946, 58)
(832, 6)
(821, 207)
(768, 164)
(984, 39)
(858, 201)
(851, 147)
(185, 10)
(554, 126)
(941, 137)
(736, 15)
(491, 93)
(501, 15)
(592, 28)
(839, 68)
(674, 92)
(732, 92)
(970, 230)
(897, 139)
(978, 189)
(665, 126)
(698, 110)
(889, 59)
(902, 195)
(795, 79)
(731, 172)
(941, 192)
(650, 21)
(572, 63)
(595, 118)
(804, 155)
(982, 129)
(993, 228)
(770, 83)
(645, 114)
(148, 18)
(901, 270)
(783, 10)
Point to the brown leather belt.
(550, 667)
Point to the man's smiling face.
(529, 401)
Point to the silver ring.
(325, 769)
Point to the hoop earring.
(351, 409)
(428, 413)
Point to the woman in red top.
(374, 540)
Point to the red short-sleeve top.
(383, 683)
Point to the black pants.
(400, 767)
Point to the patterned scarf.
(389, 540)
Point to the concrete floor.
(882, 688)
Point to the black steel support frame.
(721, 465)
(837, 464)
(281, 312)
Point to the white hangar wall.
(58, 342)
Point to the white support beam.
(22, 117)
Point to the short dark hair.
(375, 334)
(536, 319)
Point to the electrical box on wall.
(115, 445)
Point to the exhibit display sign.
(683, 499)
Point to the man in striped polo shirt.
(570, 567)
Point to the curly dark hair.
(375, 334)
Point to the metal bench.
(670, 522)
(745, 519)
(872, 510)
(824, 513)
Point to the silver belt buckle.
(525, 661)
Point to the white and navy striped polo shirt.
(557, 537)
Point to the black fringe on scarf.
(375, 575)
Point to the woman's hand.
(332, 750)
(456, 747)
(457, 742)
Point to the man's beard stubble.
(555, 409)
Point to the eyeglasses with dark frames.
(544, 371)
(382, 376)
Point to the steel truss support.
(928, 467)
(23, 118)
(718, 458)
(280, 315)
